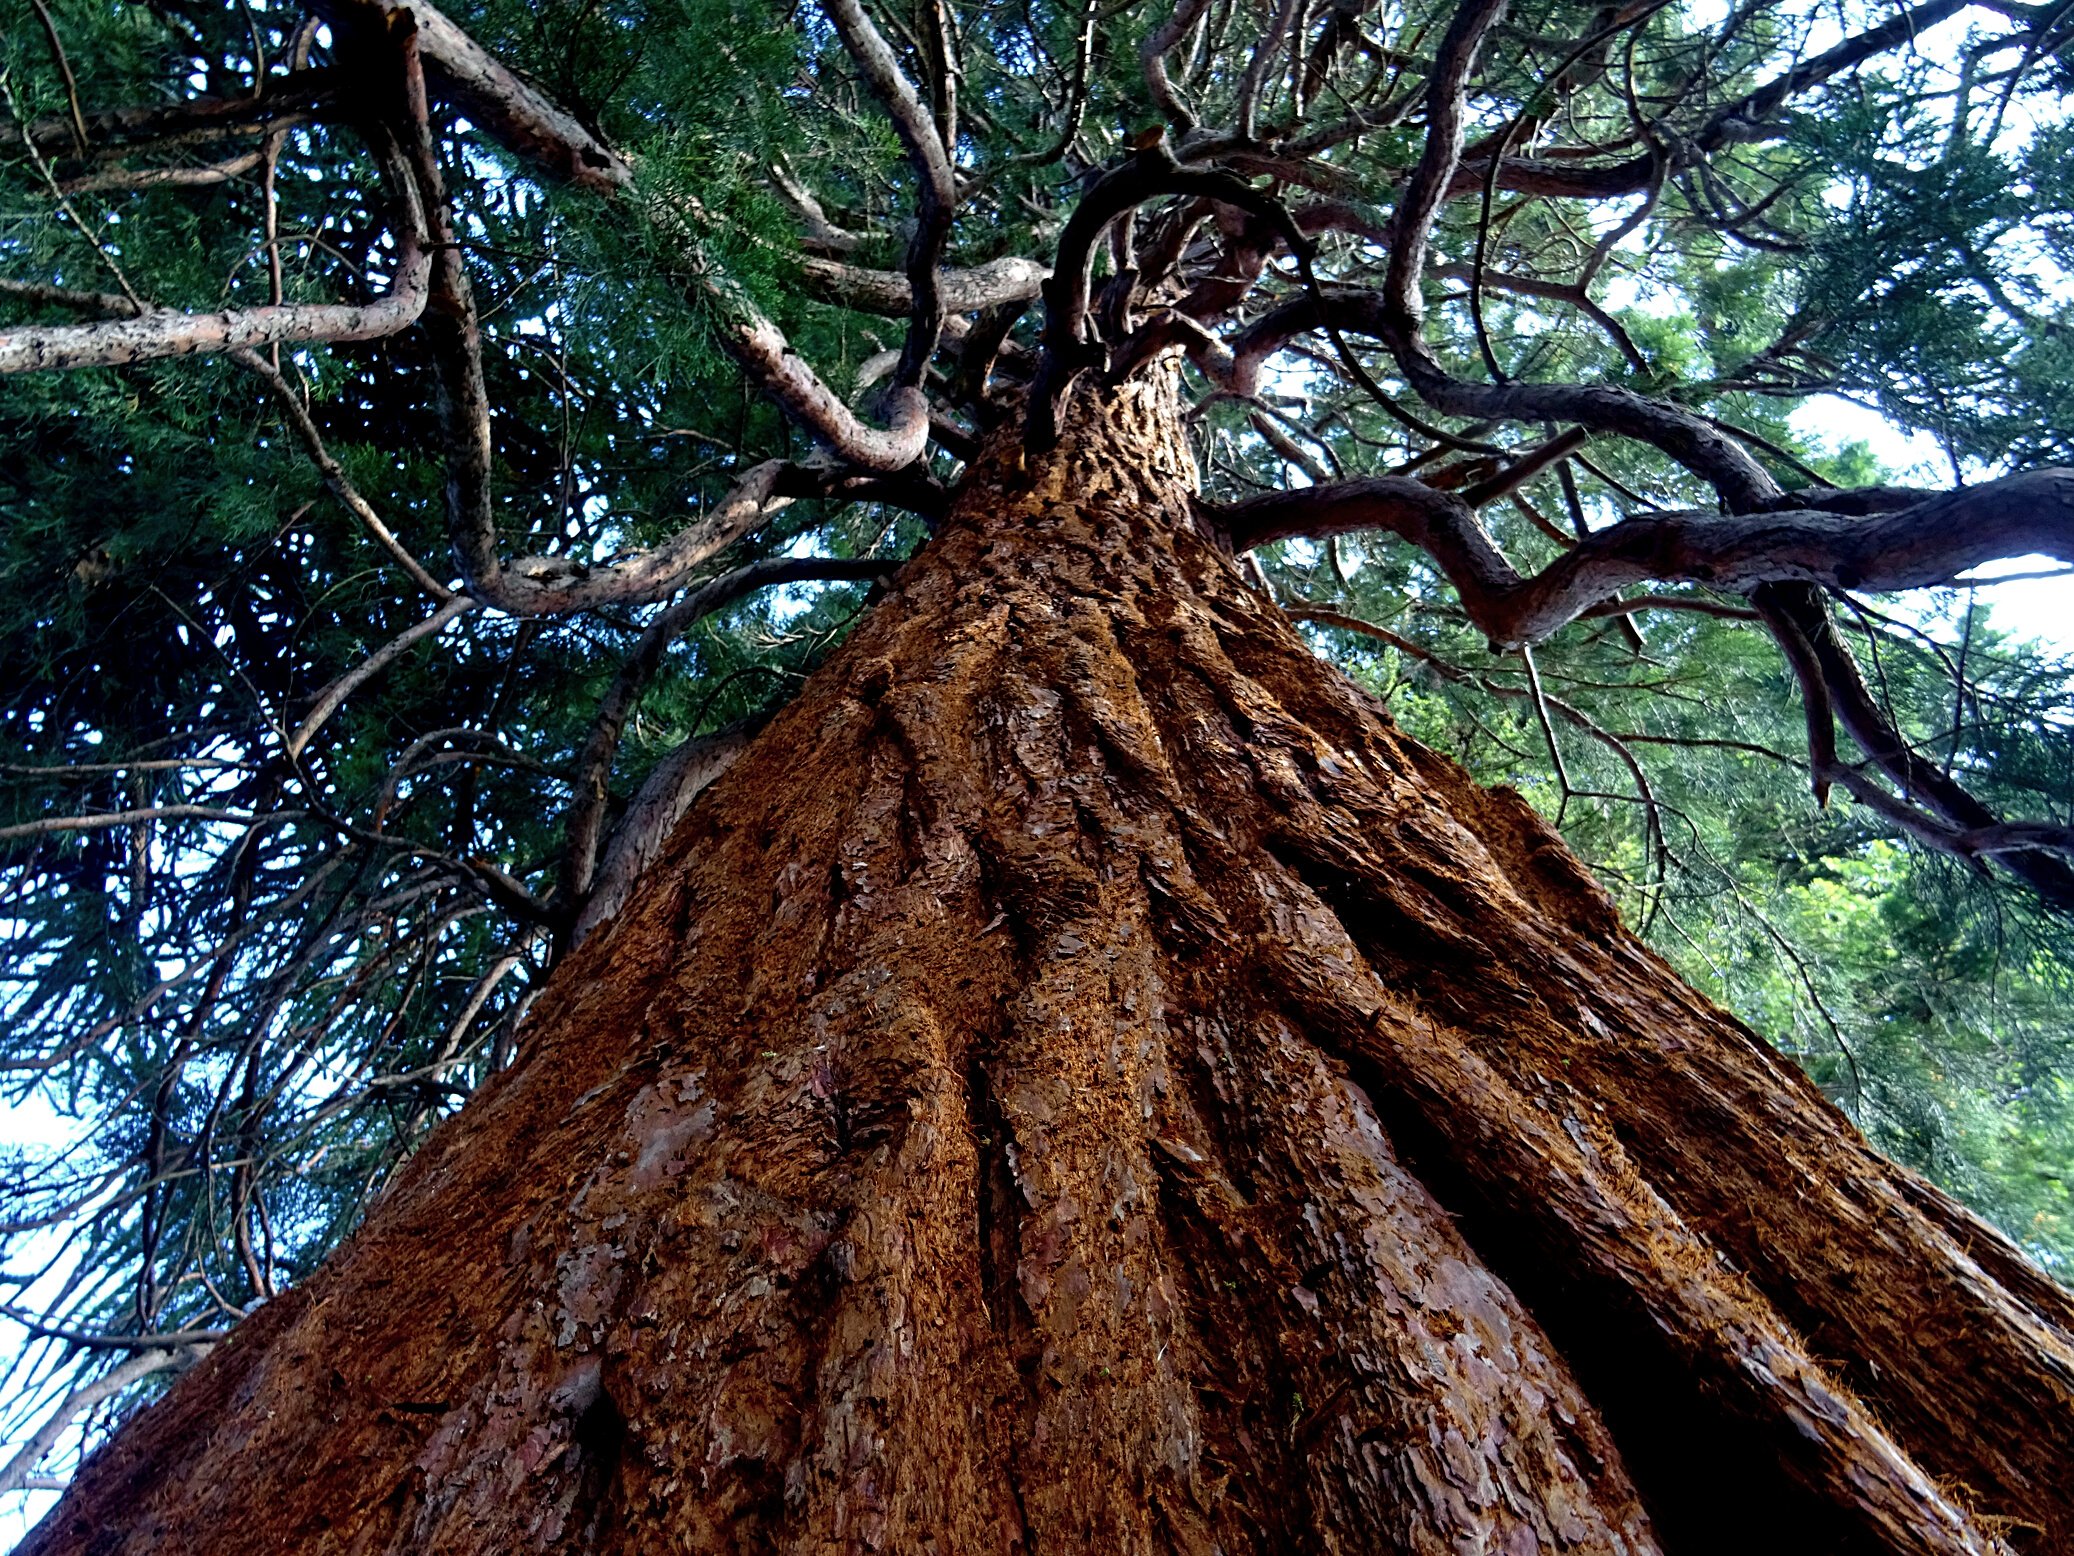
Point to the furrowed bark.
(1082, 1081)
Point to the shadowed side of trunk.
(1081, 1082)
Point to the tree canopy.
(434, 440)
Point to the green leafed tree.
(1076, 775)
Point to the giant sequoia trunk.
(1083, 1082)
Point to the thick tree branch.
(936, 186)
(660, 804)
(1152, 57)
(887, 292)
(505, 107)
(170, 332)
(1425, 191)
(1691, 440)
(1149, 175)
(197, 118)
(1930, 543)
(1933, 806)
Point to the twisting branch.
(1930, 543)
(936, 187)
(1427, 189)
(762, 350)
(1150, 174)
(1777, 557)
(1152, 56)
(170, 332)
(1932, 806)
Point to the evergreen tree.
(769, 590)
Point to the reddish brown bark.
(1082, 1082)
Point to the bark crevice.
(1082, 1081)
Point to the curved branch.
(1930, 543)
(1575, 294)
(660, 804)
(1152, 57)
(1427, 188)
(158, 333)
(1148, 175)
(821, 233)
(759, 347)
(935, 185)
(1690, 440)
(1944, 814)
(1740, 121)
(998, 281)
(333, 474)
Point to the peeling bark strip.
(1080, 1081)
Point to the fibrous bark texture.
(1082, 1082)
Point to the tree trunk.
(1083, 1082)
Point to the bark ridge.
(1083, 1082)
